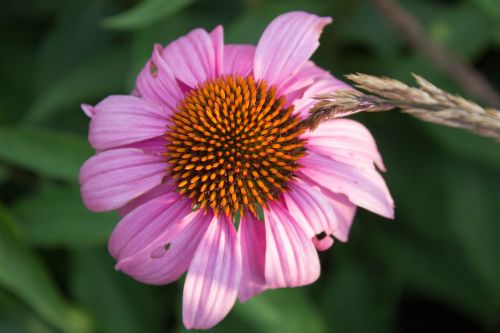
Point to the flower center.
(233, 145)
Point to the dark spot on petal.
(321, 235)
(153, 70)
(160, 251)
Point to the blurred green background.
(435, 268)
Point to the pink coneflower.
(215, 174)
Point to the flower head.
(212, 135)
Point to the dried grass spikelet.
(426, 102)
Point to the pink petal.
(135, 92)
(193, 58)
(217, 36)
(363, 185)
(88, 109)
(157, 83)
(325, 212)
(154, 146)
(238, 59)
(310, 209)
(286, 44)
(112, 178)
(213, 278)
(163, 188)
(326, 84)
(144, 224)
(252, 237)
(323, 244)
(120, 120)
(169, 255)
(344, 214)
(305, 77)
(345, 140)
(291, 259)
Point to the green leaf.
(94, 78)
(57, 217)
(416, 200)
(356, 290)
(16, 70)
(465, 145)
(4, 174)
(72, 36)
(489, 7)
(416, 63)
(364, 29)
(283, 310)
(16, 317)
(23, 274)
(434, 270)
(145, 13)
(424, 11)
(473, 211)
(468, 40)
(50, 153)
(117, 303)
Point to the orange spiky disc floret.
(233, 145)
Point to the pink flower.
(211, 139)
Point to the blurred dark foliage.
(435, 268)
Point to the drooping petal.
(291, 259)
(311, 210)
(323, 242)
(161, 189)
(363, 185)
(121, 120)
(326, 213)
(213, 277)
(346, 140)
(326, 84)
(154, 146)
(344, 214)
(148, 221)
(112, 178)
(169, 255)
(157, 83)
(238, 59)
(193, 58)
(252, 237)
(286, 44)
